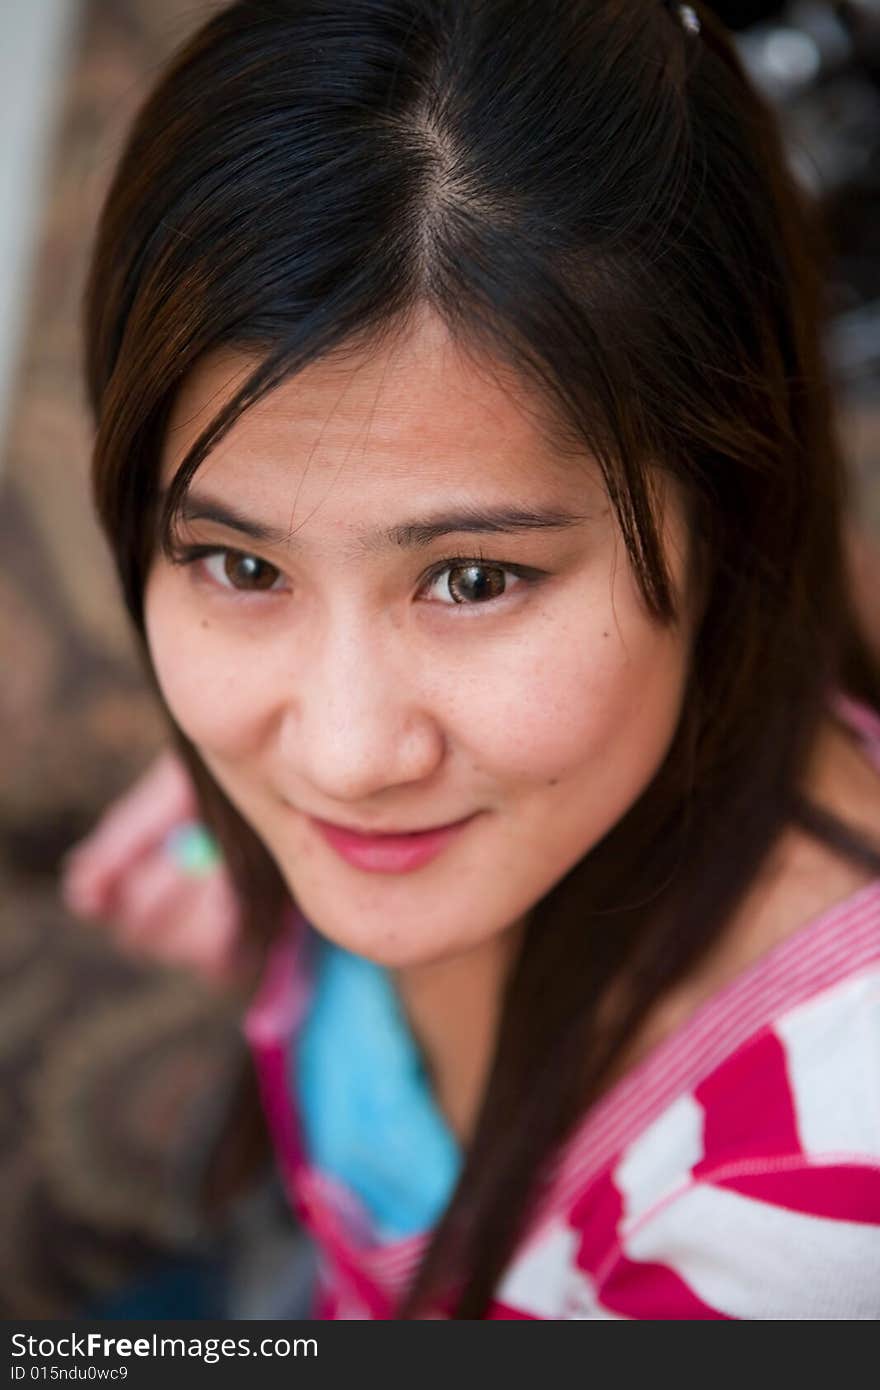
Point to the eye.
(234, 569)
(470, 582)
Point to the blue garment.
(367, 1111)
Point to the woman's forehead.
(418, 407)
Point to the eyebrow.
(421, 532)
(195, 507)
(414, 534)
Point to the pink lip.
(388, 854)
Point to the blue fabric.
(367, 1111)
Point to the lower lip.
(389, 854)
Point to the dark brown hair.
(595, 196)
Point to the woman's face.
(403, 610)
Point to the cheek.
(216, 694)
(601, 694)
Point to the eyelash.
(190, 554)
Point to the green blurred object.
(193, 848)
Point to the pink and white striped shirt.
(734, 1173)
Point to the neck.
(453, 1007)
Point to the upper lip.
(371, 830)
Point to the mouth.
(391, 852)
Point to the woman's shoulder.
(754, 1193)
(802, 880)
(757, 1193)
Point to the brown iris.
(248, 571)
(475, 582)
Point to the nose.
(357, 722)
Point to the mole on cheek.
(205, 623)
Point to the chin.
(393, 942)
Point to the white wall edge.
(35, 44)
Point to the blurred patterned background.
(116, 1077)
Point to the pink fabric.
(840, 1191)
(734, 1173)
(748, 1104)
(654, 1291)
